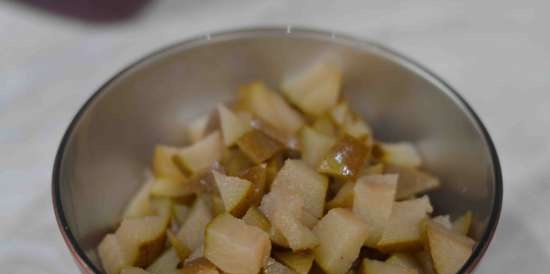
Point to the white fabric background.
(496, 53)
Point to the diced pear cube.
(344, 197)
(165, 188)
(142, 239)
(314, 90)
(324, 125)
(400, 154)
(191, 233)
(315, 145)
(181, 250)
(199, 266)
(233, 127)
(111, 255)
(274, 267)
(405, 226)
(166, 263)
(285, 211)
(444, 220)
(341, 235)
(235, 192)
(340, 113)
(270, 107)
(197, 128)
(140, 205)
(257, 175)
(463, 223)
(374, 196)
(449, 250)
(406, 260)
(297, 177)
(300, 262)
(345, 159)
(180, 212)
(163, 163)
(378, 267)
(258, 146)
(256, 218)
(412, 181)
(235, 247)
(200, 155)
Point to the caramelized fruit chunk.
(258, 146)
(346, 158)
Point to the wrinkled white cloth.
(496, 53)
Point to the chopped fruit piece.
(235, 247)
(218, 206)
(142, 240)
(191, 233)
(199, 266)
(196, 254)
(344, 197)
(300, 262)
(288, 140)
(257, 176)
(170, 189)
(340, 113)
(400, 154)
(425, 261)
(269, 106)
(444, 220)
(449, 251)
(345, 159)
(314, 90)
(233, 127)
(374, 196)
(297, 177)
(356, 127)
(274, 267)
(166, 263)
(378, 267)
(308, 220)
(412, 181)
(463, 223)
(273, 166)
(258, 146)
(163, 163)
(234, 161)
(325, 126)
(180, 212)
(111, 255)
(256, 218)
(235, 193)
(375, 169)
(197, 128)
(406, 260)
(404, 228)
(315, 145)
(284, 209)
(140, 205)
(181, 250)
(341, 235)
(163, 208)
(278, 238)
(200, 155)
(133, 270)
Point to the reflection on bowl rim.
(86, 264)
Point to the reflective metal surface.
(108, 145)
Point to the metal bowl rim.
(84, 261)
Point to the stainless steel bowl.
(108, 144)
